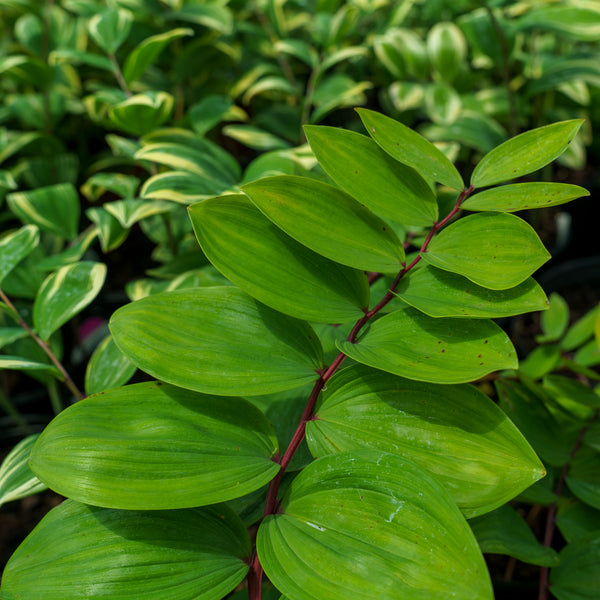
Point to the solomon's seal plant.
(314, 419)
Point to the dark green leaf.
(575, 520)
(15, 246)
(110, 28)
(584, 477)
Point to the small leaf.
(129, 546)
(584, 477)
(66, 293)
(107, 368)
(367, 524)
(494, 250)
(540, 361)
(447, 49)
(181, 187)
(522, 196)
(110, 28)
(410, 148)
(580, 332)
(524, 153)
(243, 347)
(555, 320)
(575, 520)
(561, 386)
(363, 170)
(272, 267)
(143, 112)
(209, 111)
(328, 221)
(100, 183)
(16, 479)
(110, 231)
(410, 344)
(255, 137)
(130, 211)
(16, 363)
(15, 246)
(8, 335)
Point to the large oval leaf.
(65, 293)
(218, 341)
(455, 432)
(272, 267)
(413, 345)
(154, 446)
(495, 250)
(86, 552)
(440, 293)
(368, 524)
(328, 221)
(15, 246)
(525, 153)
(410, 148)
(361, 168)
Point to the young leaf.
(368, 524)
(440, 293)
(524, 153)
(15, 246)
(410, 148)
(110, 28)
(363, 170)
(453, 431)
(272, 267)
(410, 344)
(495, 250)
(108, 367)
(192, 554)
(65, 293)
(113, 449)
(328, 221)
(233, 344)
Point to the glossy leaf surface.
(525, 153)
(16, 479)
(108, 367)
(328, 221)
(453, 431)
(65, 293)
(361, 168)
(494, 250)
(15, 246)
(410, 148)
(233, 344)
(191, 554)
(440, 293)
(413, 345)
(368, 524)
(154, 446)
(272, 267)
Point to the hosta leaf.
(413, 345)
(455, 432)
(440, 293)
(272, 267)
(361, 168)
(110, 28)
(154, 446)
(503, 531)
(15, 246)
(233, 344)
(524, 153)
(494, 250)
(54, 208)
(16, 479)
(191, 554)
(65, 293)
(410, 148)
(522, 196)
(328, 221)
(108, 367)
(368, 524)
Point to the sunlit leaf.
(108, 367)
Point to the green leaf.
(410, 148)
(143, 112)
(575, 520)
(16, 363)
(100, 183)
(540, 361)
(495, 250)
(447, 49)
(110, 231)
(147, 51)
(65, 293)
(413, 345)
(73, 253)
(583, 478)
(255, 137)
(504, 531)
(192, 554)
(107, 368)
(16, 479)
(580, 23)
(359, 166)
(15, 246)
(243, 347)
(577, 577)
(453, 431)
(566, 387)
(54, 208)
(524, 153)
(8, 335)
(272, 267)
(328, 221)
(110, 28)
(555, 320)
(181, 187)
(130, 211)
(440, 293)
(154, 446)
(580, 332)
(368, 524)
(522, 196)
